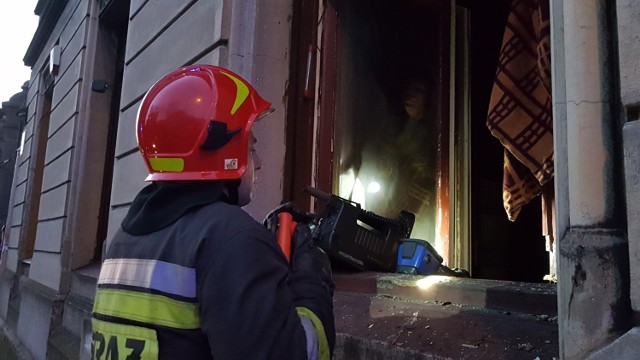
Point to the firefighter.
(190, 275)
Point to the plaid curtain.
(520, 106)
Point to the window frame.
(329, 73)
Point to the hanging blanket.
(520, 106)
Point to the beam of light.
(429, 281)
(351, 188)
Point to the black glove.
(307, 258)
(310, 280)
(271, 220)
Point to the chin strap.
(231, 187)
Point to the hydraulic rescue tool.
(358, 237)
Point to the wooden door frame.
(301, 103)
(327, 100)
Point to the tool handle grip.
(318, 194)
(286, 227)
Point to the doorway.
(501, 249)
(387, 136)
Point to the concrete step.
(508, 296)
(387, 316)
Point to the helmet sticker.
(231, 164)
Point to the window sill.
(84, 281)
(447, 317)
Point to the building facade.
(12, 119)
(93, 60)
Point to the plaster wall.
(627, 347)
(60, 239)
(167, 49)
(628, 13)
(561, 173)
(71, 36)
(5, 288)
(590, 182)
(632, 184)
(592, 250)
(12, 121)
(259, 51)
(20, 183)
(34, 324)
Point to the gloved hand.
(271, 220)
(310, 280)
(309, 259)
(282, 222)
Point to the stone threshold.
(395, 316)
(508, 296)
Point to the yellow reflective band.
(167, 164)
(323, 343)
(241, 94)
(147, 308)
(119, 341)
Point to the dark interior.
(501, 249)
(380, 45)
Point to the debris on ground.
(525, 346)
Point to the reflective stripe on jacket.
(212, 285)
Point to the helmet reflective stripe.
(152, 274)
(146, 308)
(242, 92)
(167, 164)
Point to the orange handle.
(286, 226)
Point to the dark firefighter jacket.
(189, 276)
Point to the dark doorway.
(501, 249)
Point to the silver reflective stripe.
(312, 338)
(152, 274)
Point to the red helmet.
(195, 123)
